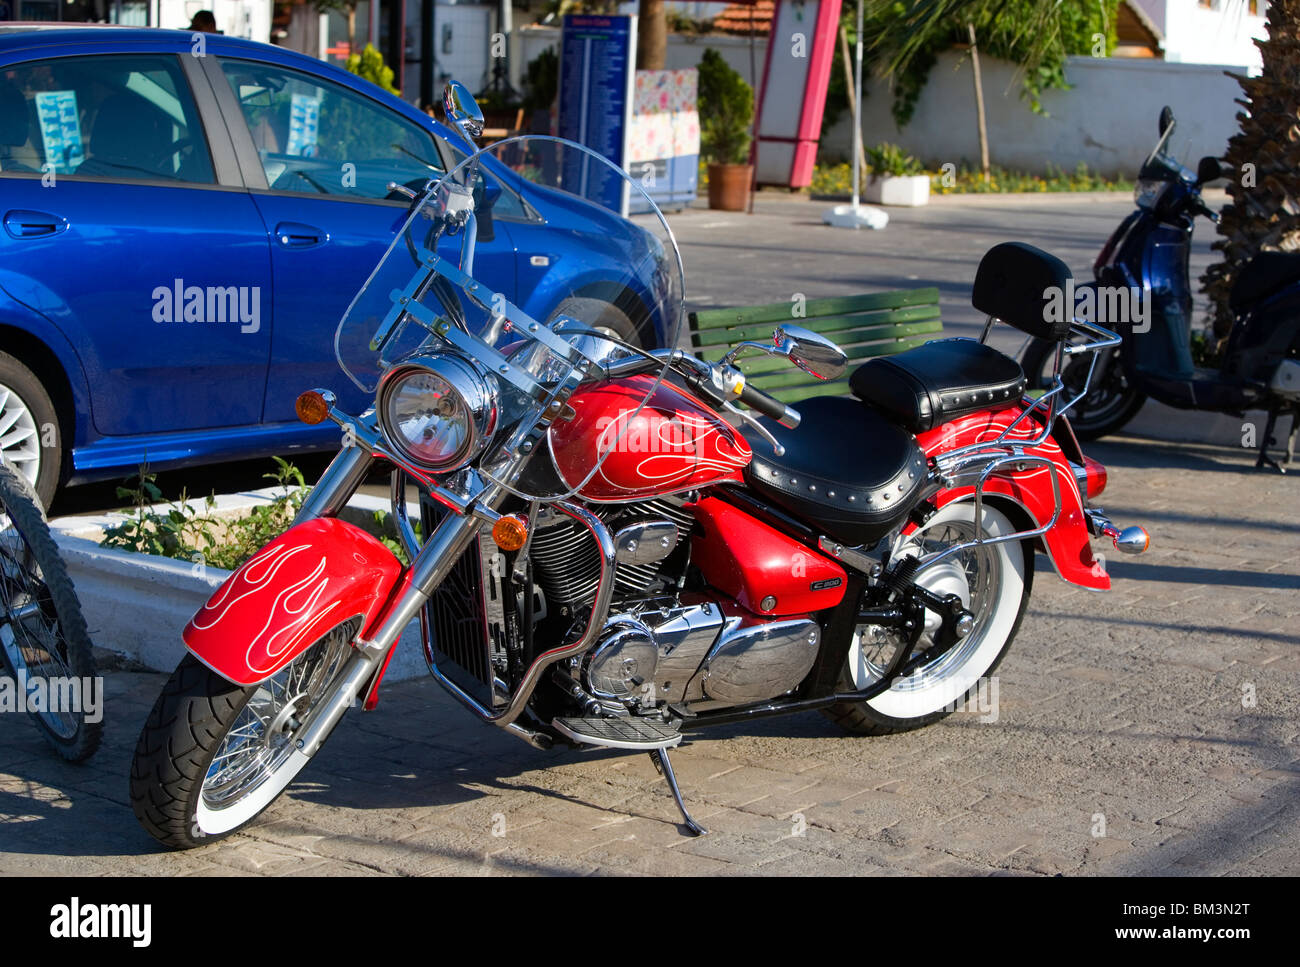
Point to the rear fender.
(1067, 544)
(286, 596)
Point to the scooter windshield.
(519, 270)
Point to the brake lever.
(759, 428)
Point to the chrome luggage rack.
(977, 462)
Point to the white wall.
(250, 19)
(683, 51)
(1219, 34)
(1107, 119)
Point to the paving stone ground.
(1121, 744)
(1151, 730)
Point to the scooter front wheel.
(1111, 401)
(213, 755)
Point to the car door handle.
(298, 235)
(21, 223)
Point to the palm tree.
(1264, 192)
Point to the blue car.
(184, 222)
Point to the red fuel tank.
(674, 443)
(758, 565)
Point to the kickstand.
(1264, 459)
(660, 758)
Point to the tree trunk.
(979, 104)
(1263, 210)
(846, 57)
(652, 36)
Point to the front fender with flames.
(286, 596)
(1067, 544)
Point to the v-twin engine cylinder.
(699, 657)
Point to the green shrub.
(887, 159)
(369, 64)
(726, 106)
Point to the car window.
(509, 204)
(320, 138)
(125, 117)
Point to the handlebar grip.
(756, 399)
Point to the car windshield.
(600, 287)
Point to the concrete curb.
(137, 604)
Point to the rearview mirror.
(462, 110)
(1211, 169)
(810, 351)
(1166, 119)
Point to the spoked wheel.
(43, 637)
(993, 582)
(213, 754)
(1111, 401)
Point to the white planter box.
(906, 190)
(138, 604)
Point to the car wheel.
(603, 316)
(30, 438)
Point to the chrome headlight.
(438, 411)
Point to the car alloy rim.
(20, 438)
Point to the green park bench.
(862, 325)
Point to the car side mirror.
(811, 351)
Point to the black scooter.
(1147, 257)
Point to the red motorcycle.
(612, 551)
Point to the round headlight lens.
(439, 412)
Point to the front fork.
(429, 567)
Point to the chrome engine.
(697, 657)
(659, 645)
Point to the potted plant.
(897, 178)
(726, 105)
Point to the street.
(1151, 730)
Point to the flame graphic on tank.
(679, 446)
(246, 592)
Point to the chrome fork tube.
(435, 560)
(336, 485)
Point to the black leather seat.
(924, 387)
(1262, 276)
(846, 471)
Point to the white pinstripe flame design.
(296, 602)
(684, 437)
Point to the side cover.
(1068, 543)
(286, 596)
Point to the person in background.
(204, 22)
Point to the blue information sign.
(597, 73)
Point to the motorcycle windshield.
(580, 286)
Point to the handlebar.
(707, 378)
(756, 399)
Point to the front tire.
(213, 755)
(993, 582)
(42, 631)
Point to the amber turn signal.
(510, 533)
(311, 408)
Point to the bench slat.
(839, 305)
(883, 326)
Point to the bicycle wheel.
(43, 640)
